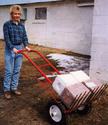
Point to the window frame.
(41, 13)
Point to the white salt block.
(68, 87)
(69, 93)
(80, 75)
(63, 81)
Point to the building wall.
(99, 50)
(4, 16)
(67, 26)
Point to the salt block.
(63, 81)
(68, 87)
(93, 85)
(71, 92)
(80, 75)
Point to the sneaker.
(7, 95)
(16, 92)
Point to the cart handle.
(23, 50)
(43, 57)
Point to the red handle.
(36, 66)
(23, 50)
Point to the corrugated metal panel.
(11, 2)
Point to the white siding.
(67, 26)
(99, 51)
(4, 16)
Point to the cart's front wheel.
(55, 113)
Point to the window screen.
(41, 13)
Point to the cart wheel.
(55, 112)
(84, 109)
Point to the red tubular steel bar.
(74, 101)
(87, 96)
(83, 99)
(45, 59)
(78, 102)
(79, 97)
(73, 104)
(102, 91)
(96, 93)
(105, 87)
(93, 94)
(81, 102)
(99, 91)
(36, 66)
(90, 96)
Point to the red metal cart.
(56, 109)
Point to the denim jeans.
(13, 63)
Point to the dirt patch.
(29, 109)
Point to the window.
(40, 13)
(24, 14)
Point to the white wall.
(99, 50)
(4, 16)
(67, 26)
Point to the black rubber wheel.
(84, 109)
(55, 113)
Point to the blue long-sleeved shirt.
(14, 34)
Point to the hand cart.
(56, 109)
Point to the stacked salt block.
(72, 85)
(68, 87)
(85, 79)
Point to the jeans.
(13, 63)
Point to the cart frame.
(79, 100)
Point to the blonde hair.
(14, 8)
